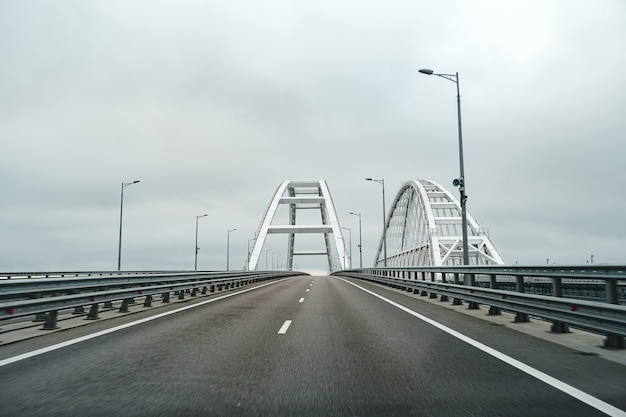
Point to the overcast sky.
(212, 104)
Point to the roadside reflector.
(573, 307)
(10, 310)
(92, 298)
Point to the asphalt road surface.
(305, 346)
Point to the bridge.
(425, 335)
(423, 227)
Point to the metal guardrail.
(56, 274)
(46, 296)
(511, 289)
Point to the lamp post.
(195, 262)
(228, 248)
(119, 247)
(458, 182)
(360, 242)
(350, 238)
(382, 182)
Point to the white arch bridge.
(423, 227)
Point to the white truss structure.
(424, 228)
(303, 195)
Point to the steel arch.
(423, 228)
(303, 195)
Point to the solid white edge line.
(27, 355)
(560, 385)
(284, 327)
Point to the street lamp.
(195, 262)
(350, 238)
(458, 182)
(382, 182)
(360, 242)
(228, 247)
(119, 248)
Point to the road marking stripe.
(286, 325)
(301, 300)
(27, 355)
(307, 290)
(560, 385)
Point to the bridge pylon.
(299, 196)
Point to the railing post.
(51, 320)
(493, 311)
(557, 291)
(519, 287)
(613, 340)
(93, 312)
(124, 306)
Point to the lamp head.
(427, 71)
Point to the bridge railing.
(588, 297)
(62, 274)
(44, 297)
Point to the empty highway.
(304, 346)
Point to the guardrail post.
(493, 311)
(181, 294)
(557, 291)
(148, 301)
(79, 310)
(108, 304)
(93, 312)
(124, 306)
(519, 287)
(613, 340)
(51, 320)
(165, 297)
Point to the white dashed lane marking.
(285, 326)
